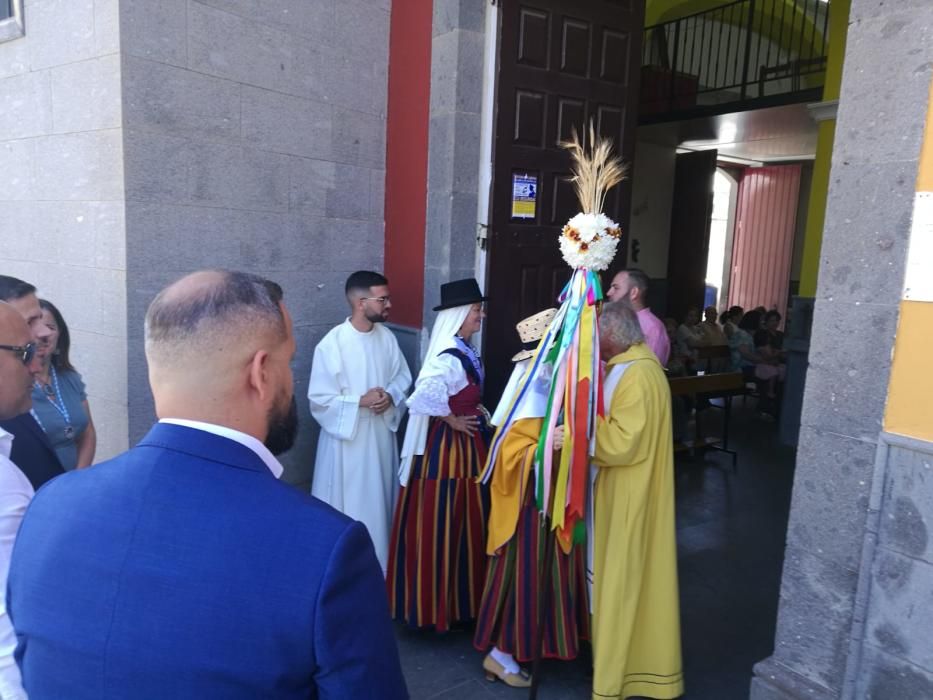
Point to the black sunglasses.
(28, 351)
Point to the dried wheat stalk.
(595, 169)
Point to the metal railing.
(738, 52)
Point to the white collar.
(246, 440)
(6, 443)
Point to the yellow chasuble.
(510, 479)
(636, 613)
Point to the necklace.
(54, 397)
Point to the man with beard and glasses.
(183, 568)
(356, 391)
(32, 452)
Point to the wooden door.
(691, 215)
(562, 62)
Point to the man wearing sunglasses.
(32, 451)
(18, 364)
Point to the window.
(11, 20)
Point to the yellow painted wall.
(819, 188)
(909, 410)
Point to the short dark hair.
(751, 321)
(236, 296)
(640, 280)
(364, 280)
(14, 288)
(773, 313)
(60, 359)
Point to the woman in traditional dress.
(59, 401)
(515, 598)
(437, 559)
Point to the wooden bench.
(712, 358)
(724, 385)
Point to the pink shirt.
(655, 335)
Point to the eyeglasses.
(27, 351)
(383, 300)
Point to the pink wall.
(763, 244)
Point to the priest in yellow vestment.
(636, 614)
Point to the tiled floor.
(730, 532)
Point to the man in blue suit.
(32, 451)
(183, 568)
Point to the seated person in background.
(754, 365)
(770, 337)
(677, 363)
(711, 330)
(689, 335)
(730, 321)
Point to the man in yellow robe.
(636, 615)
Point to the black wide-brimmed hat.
(460, 293)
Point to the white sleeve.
(332, 406)
(401, 376)
(15, 494)
(440, 378)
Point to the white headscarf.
(443, 337)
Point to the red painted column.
(407, 156)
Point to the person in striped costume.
(513, 606)
(437, 561)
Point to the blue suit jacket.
(184, 569)
(32, 452)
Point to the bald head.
(219, 346)
(618, 329)
(210, 315)
(16, 376)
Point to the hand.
(371, 397)
(463, 424)
(384, 403)
(559, 438)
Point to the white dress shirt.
(15, 494)
(246, 440)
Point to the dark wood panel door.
(561, 63)
(691, 214)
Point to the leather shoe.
(494, 670)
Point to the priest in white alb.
(359, 379)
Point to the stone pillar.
(453, 144)
(883, 102)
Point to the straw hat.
(531, 330)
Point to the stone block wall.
(255, 140)
(61, 187)
(141, 140)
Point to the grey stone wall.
(255, 140)
(887, 71)
(453, 145)
(61, 187)
(893, 653)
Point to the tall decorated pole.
(568, 353)
(568, 357)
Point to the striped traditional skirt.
(437, 558)
(508, 616)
